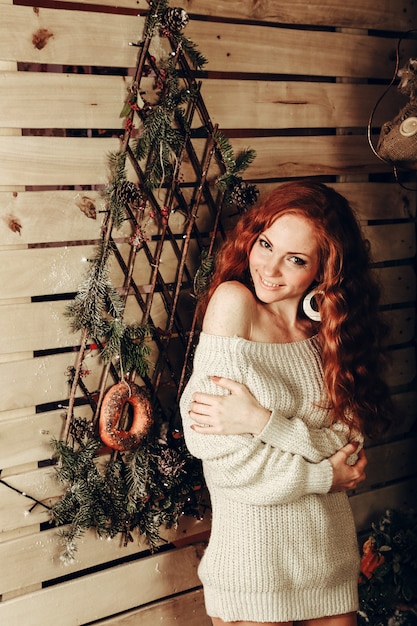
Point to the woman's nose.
(273, 267)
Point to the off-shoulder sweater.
(282, 547)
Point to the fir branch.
(96, 298)
(117, 166)
(118, 176)
(154, 17)
(198, 61)
(135, 349)
(244, 159)
(114, 333)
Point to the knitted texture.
(282, 547)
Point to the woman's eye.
(264, 244)
(297, 261)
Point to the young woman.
(277, 405)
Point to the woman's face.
(284, 260)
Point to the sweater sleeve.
(245, 467)
(294, 436)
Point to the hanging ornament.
(112, 407)
(244, 195)
(128, 194)
(174, 20)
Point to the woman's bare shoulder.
(230, 311)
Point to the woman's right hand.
(347, 476)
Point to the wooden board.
(368, 507)
(70, 39)
(80, 161)
(402, 325)
(288, 157)
(94, 101)
(390, 242)
(55, 160)
(37, 557)
(187, 609)
(18, 510)
(52, 217)
(56, 218)
(107, 592)
(350, 14)
(389, 463)
(402, 367)
(398, 284)
(30, 382)
(28, 438)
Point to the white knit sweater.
(282, 547)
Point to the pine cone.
(174, 19)
(127, 194)
(244, 195)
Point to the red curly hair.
(350, 330)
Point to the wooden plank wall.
(294, 80)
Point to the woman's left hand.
(236, 413)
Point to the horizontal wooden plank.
(368, 507)
(92, 101)
(390, 242)
(405, 418)
(70, 39)
(56, 216)
(37, 557)
(41, 271)
(78, 161)
(59, 270)
(28, 438)
(389, 462)
(273, 50)
(401, 367)
(55, 160)
(62, 100)
(18, 510)
(378, 201)
(107, 592)
(350, 14)
(284, 104)
(35, 326)
(370, 201)
(402, 325)
(287, 157)
(31, 382)
(187, 609)
(398, 284)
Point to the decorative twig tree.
(148, 479)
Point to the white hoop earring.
(312, 312)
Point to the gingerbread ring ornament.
(111, 410)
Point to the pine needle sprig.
(236, 191)
(135, 348)
(154, 17)
(198, 60)
(118, 176)
(89, 309)
(114, 331)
